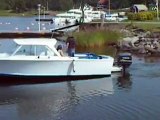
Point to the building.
(102, 3)
(138, 8)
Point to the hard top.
(36, 41)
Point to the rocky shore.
(140, 41)
(135, 40)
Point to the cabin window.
(34, 50)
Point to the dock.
(44, 20)
(30, 34)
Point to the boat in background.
(38, 58)
(111, 17)
(65, 20)
(76, 14)
(97, 14)
(73, 16)
(115, 17)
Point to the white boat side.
(97, 15)
(39, 57)
(115, 17)
(73, 15)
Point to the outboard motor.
(124, 60)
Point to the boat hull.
(55, 70)
(22, 79)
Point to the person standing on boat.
(71, 45)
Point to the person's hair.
(59, 47)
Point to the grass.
(147, 25)
(96, 38)
(97, 41)
(11, 13)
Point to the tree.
(66, 4)
(19, 6)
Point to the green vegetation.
(6, 13)
(148, 26)
(142, 16)
(97, 38)
(19, 6)
(11, 13)
(97, 41)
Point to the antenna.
(39, 23)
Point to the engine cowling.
(124, 59)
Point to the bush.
(132, 16)
(141, 16)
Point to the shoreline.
(9, 13)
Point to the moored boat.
(38, 58)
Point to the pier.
(30, 34)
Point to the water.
(18, 24)
(135, 96)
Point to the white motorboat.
(97, 15)
(115, 17)
(111, 17)
(73, 16)
(76, 14)
(38, 58)
(70, 18)
(65, 20)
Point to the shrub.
(142, 16)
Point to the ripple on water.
(9, 101)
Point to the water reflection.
(152, 59)
(124, 81)
(148, 58)
(51, 101)
(91, 99)
(72, 92)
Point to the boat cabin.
(34, 47)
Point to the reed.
(96, 38)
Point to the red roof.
(103, 1)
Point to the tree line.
(26, 5)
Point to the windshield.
(33, 50)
